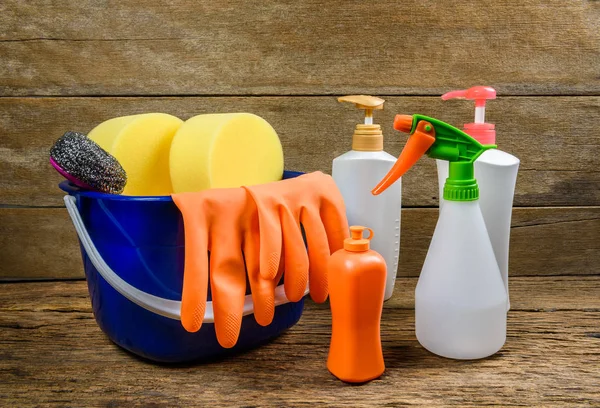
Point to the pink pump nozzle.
(483, 132)
(477, 93)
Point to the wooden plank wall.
(71, 65)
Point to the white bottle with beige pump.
(356, 172)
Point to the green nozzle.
(438, 140)
(461, 150)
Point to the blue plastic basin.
(142, 241)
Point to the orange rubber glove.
(224, 222)
(314, 201)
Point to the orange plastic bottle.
(356, 288)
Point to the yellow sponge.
(141, 143)
(224, 150)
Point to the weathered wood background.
(70, 65)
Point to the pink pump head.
(483, 132)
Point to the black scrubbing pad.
(81, 158)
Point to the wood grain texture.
(556, 139)
(290, 47)
(53, 353)
(38, 243)
(41, 243)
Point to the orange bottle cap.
(356, 242)
(403, 123)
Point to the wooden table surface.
(53, 353)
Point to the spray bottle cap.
(438, 140)
(484, 132)
(367, 137)
(356, 242)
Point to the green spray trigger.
(438, 140)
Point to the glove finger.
(295, 257)
(333, 216)
(228, 287)
(332, 210)
(195, 275)
(263, 290)
(318, 255)
(270, 239)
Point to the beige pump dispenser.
(367, 137)
(356, 172)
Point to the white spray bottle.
(356, 172)
(460, 299)
(496, 174)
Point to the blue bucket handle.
(164, 307)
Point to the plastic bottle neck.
(461, 184)
(367, 138)
(356, 242)
(484, 133)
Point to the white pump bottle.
(356, 172)
(496, 174)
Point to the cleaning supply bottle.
(357, 277)
(496, 174)
(356, 172)
(460, 299)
